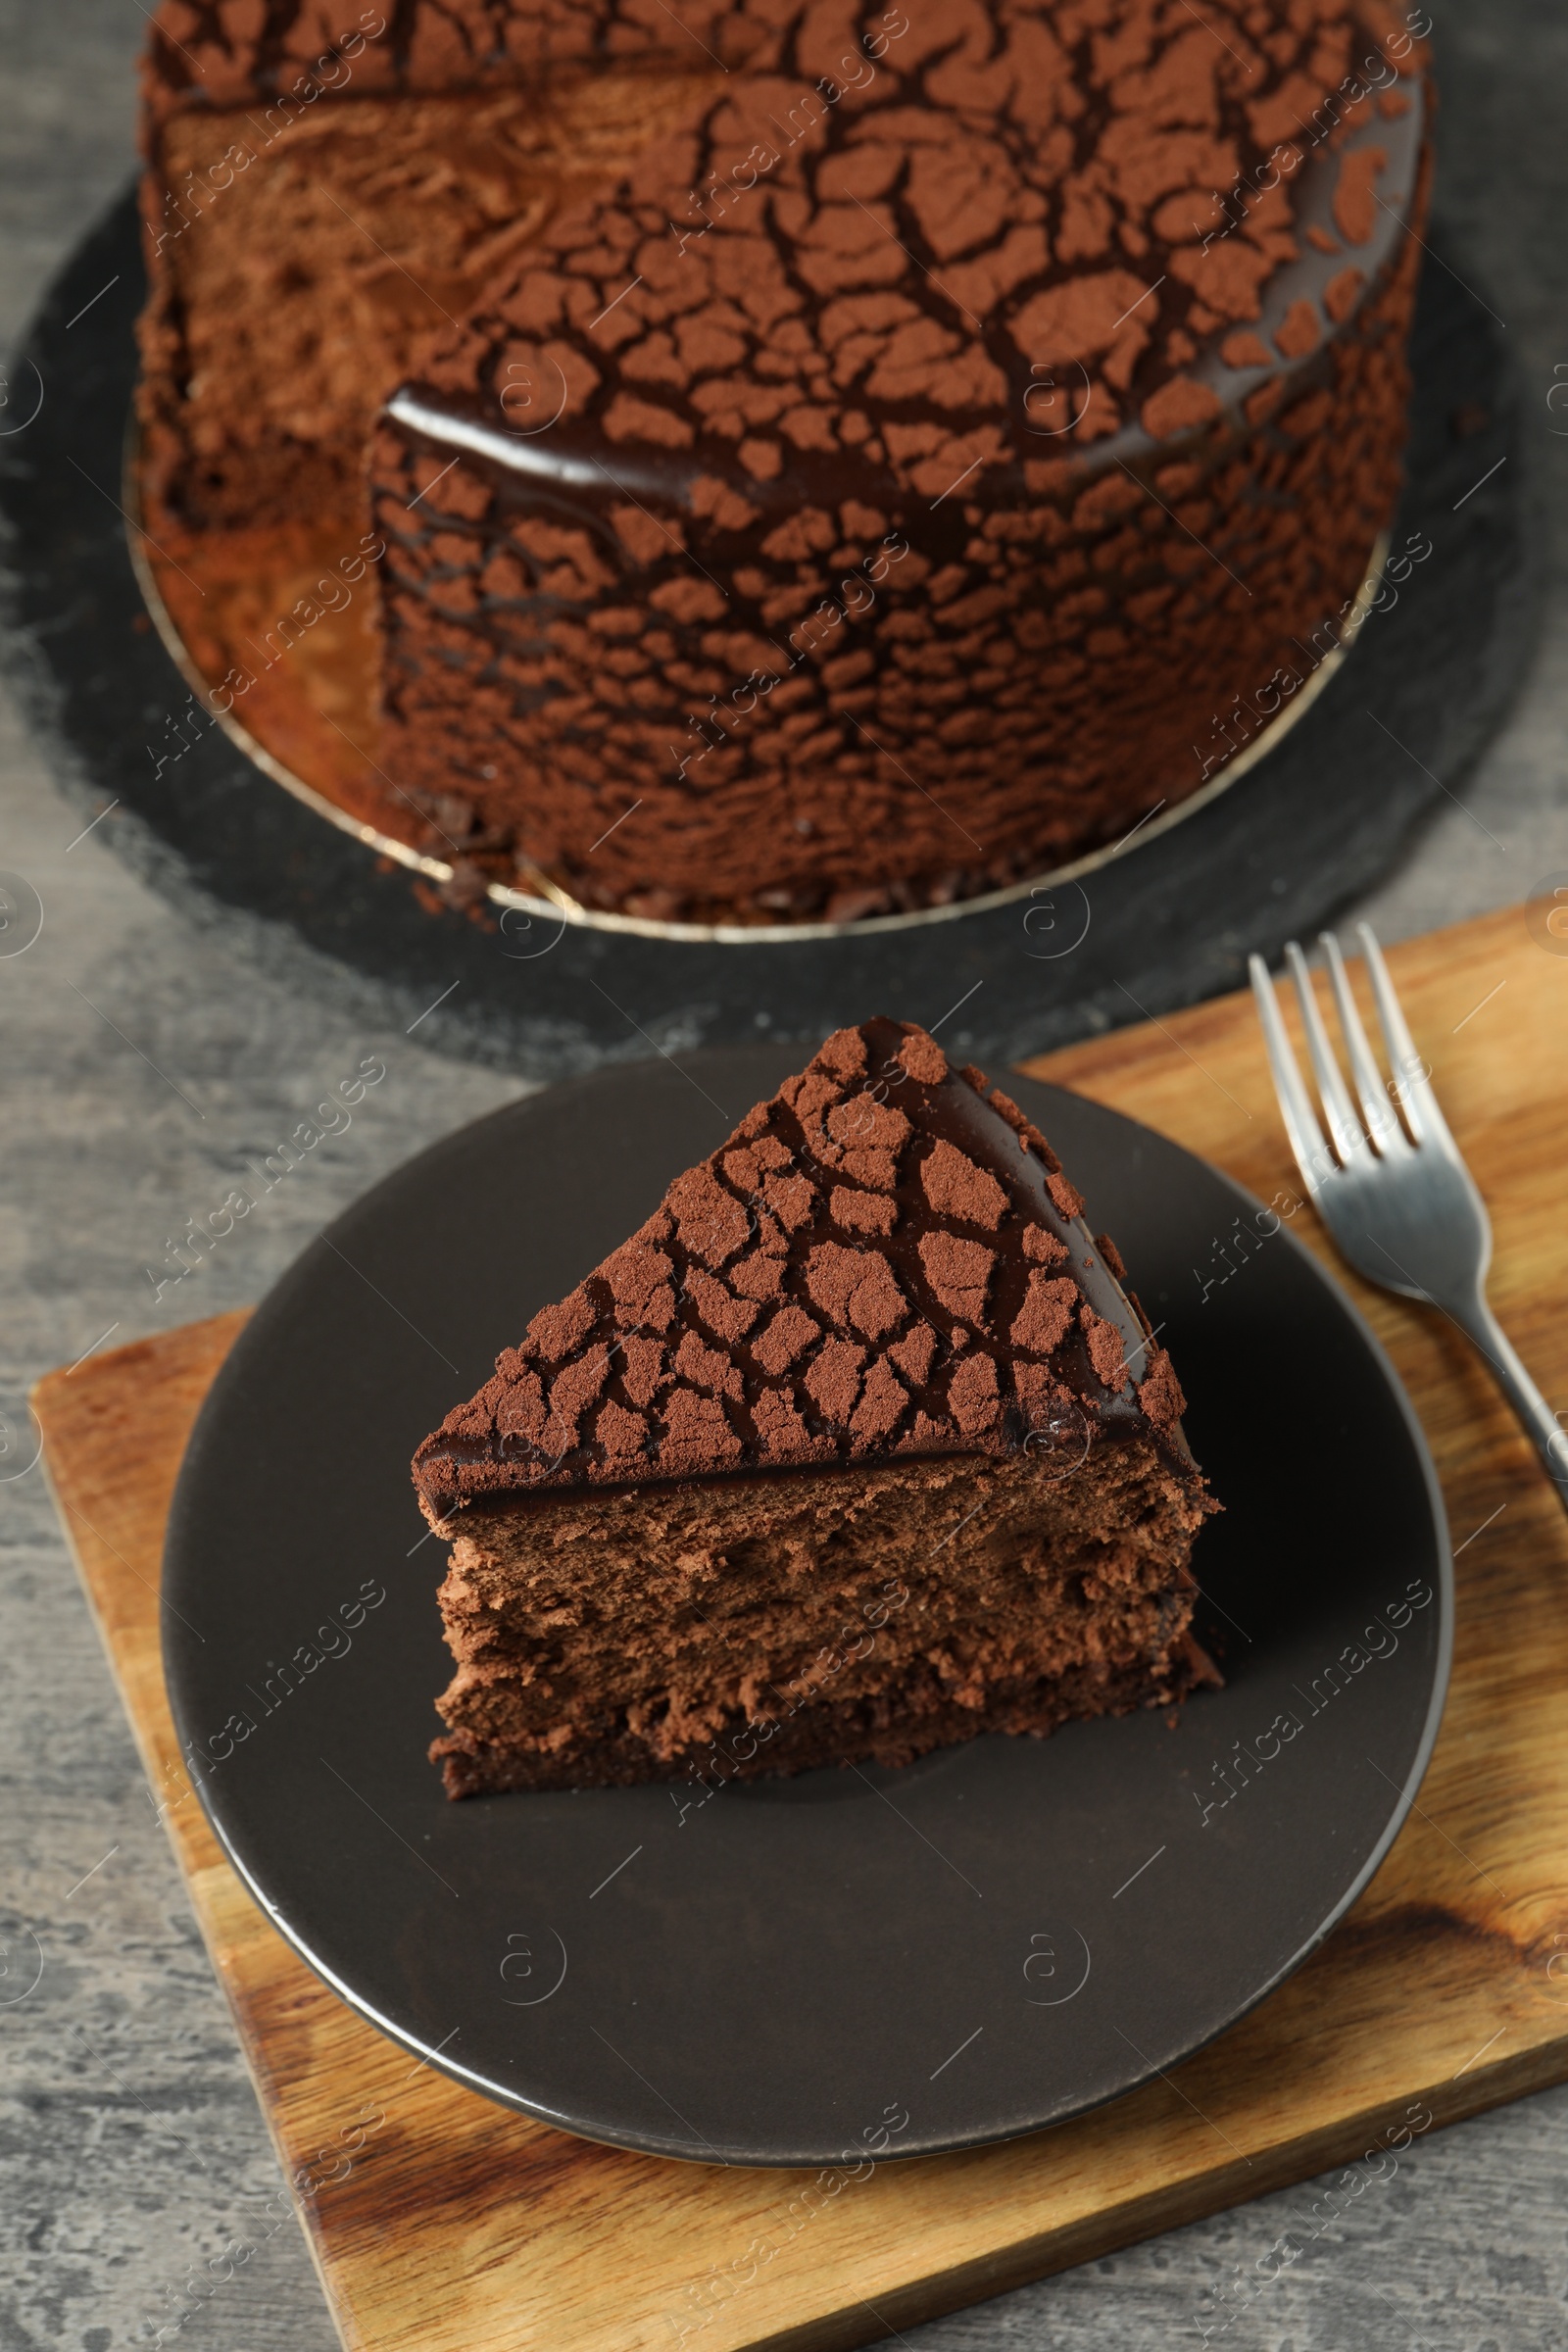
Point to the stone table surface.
(149, 1055)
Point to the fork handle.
(1546, 1431)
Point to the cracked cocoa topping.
(839, 460)
(884, 1260)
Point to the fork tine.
(1382, 1119)
(1426, 1122)
(1345, 1128)
(1306, 1137)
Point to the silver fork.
(1395, 1195)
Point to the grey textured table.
(148, 1056)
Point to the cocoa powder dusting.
(968, 1306)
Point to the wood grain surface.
(441, 2222)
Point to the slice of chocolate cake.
(856, 1448)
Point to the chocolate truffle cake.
(858, 1447)
(823, 461)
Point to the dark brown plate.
(984, 1944)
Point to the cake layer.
(729, 1627)
(891, 1731)
(291, 298)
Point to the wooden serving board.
(456, 2225)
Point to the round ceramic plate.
(980, 1945)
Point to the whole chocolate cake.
(820, 460)
(856, 1449)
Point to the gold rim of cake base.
(547, 898)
